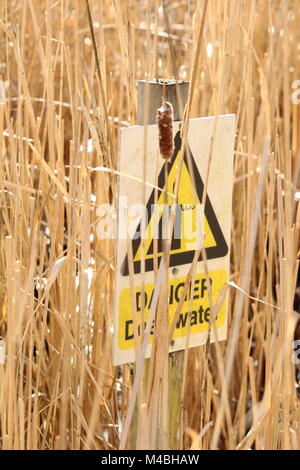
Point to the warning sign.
(145, 225)
(182, 249)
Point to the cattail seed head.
(165, 119)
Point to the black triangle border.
(178, 259)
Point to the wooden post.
(149, 99)
(176, 93)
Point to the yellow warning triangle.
(187, 201)
(187, 219)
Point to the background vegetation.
(58, 387)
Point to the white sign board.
(145, 223)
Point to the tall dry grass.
(58, 387)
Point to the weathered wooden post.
(149, 100)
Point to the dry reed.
(64, 93)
